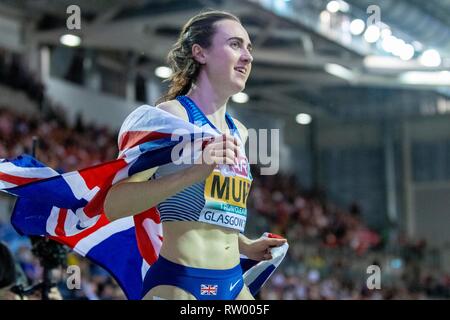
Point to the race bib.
(226, 198)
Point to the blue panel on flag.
(120, 256)
(54, 191)
(150, 160)
(247, 264)
(27, 161)
(28, 218)
(256, 285)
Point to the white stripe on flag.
(154, 231)
(52, 221)
(79, 187)
(6, 185)
(144, 269)
(75, 224)
(86, 221)
(122, 174)
(87, 243)
(278, 254)
(28, 172)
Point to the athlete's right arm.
(133, 197)
(137, 194)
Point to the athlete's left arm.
(258, 249)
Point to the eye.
(235, 44)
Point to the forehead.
(229, 28)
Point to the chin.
(238, 87)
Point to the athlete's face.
(228, 61)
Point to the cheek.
(229, 56)
(249, 69)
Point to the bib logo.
(241, 168)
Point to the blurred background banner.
(359, 91)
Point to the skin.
(215, 247)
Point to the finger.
(276, 242)
(233, 140)
(208, 156)
(231, 144)
(206, 141)
(222, 153)
(267, 256)
(223, 159)
(230, 160)
(227, 141)
(230, 154)
(220, 146)
(239, 147)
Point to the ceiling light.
(333, 6)
(70, 40)
(339, 71)
(240, 97)
(398, 46)
(430, 58)
(407, 52)
(344, 6)
(163, 72)
(438, 78)
(357, 27)
(386, 32)
(372, 34)
(303, 118)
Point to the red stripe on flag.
(100, 176)
(145, 246)
(130, 139)
(72, 241)
(17, 180)
(61, 221)
(101, 173)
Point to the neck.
(208, 99)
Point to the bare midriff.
(200, 245)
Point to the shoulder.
(242, 130)
(175, 108)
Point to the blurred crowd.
(330, 251)
(61, 146)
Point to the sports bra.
(220, 199)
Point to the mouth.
(241, 70)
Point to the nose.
(247, 56)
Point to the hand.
(224, 149)
(259, 249)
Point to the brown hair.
(198, 30)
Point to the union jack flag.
(208, 289)
(69, 208)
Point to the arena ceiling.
(290, 57)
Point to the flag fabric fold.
(69, 208)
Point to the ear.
(199, 53)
